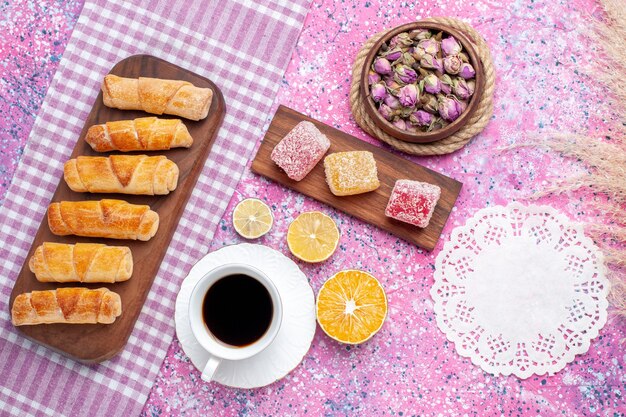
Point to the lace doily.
(520, 290)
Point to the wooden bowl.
(422, 137)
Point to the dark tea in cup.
(235, 312)
(237, 309)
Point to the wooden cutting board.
(92, 343)
(369, 207)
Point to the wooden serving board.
(369, 207)
(91, 343)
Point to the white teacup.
(218, 349)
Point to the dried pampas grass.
(606, 176)
(618, 298)
(605, 158)
(610, 33)
(606, 162)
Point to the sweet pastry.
(413, 202)
(157, 96)
(142, 134)
(82, 262)
(349, 173)
(126, 174)
(114, 219)
(300, 150)
(66, 305)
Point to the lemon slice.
(313, 237)
(252, 218)
(351, 306)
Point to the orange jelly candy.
(349, 173)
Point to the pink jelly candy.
(413, 202)
(300, 150)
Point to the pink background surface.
(409, 368)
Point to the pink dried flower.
(429, 61)
(405, 74)
(399, 123)
(378, 92)
(392, 85)
(408, 95)
(429, 102)
(401, 40)
(463, 56)
(416, 53)
(467, 71)
(429, 46)
(446, 84)
(450, 46)
(432, 84)
(392, 102)
(419, 34)
(461, 89)
(385, 111)
(452, 64)
(393, 54)
(450, 108)
(373, 77)
(422, 118)
(471, 85)
(382, 66)
(407, 59)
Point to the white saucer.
(296, 331)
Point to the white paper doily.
(296, 331)
(520, 290)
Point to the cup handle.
(210, 368)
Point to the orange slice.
(351, 306)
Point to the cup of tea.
(235, 312)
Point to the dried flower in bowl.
(420, 82)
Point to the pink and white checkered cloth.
(244, 47)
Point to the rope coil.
(474, 125)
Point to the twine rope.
(474, 125)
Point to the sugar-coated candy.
(413, 202)
(300, 150)
(349, 173)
